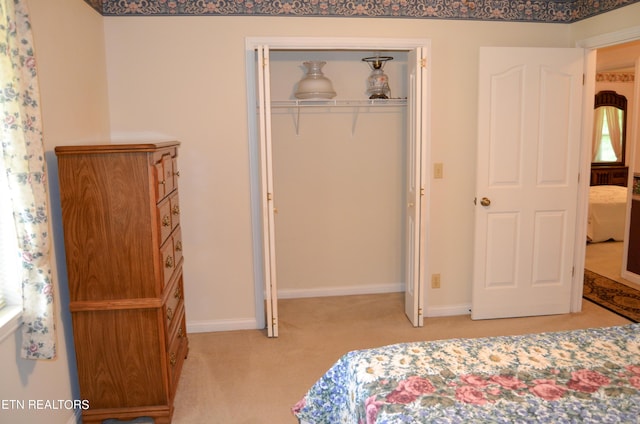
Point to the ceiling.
(619, 58)
(548, 11)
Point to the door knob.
(485, 201)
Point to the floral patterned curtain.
(24, 160)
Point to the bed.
(607, 212)
(590, 375)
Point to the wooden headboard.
(609, 175)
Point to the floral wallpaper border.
(615, 77)
(549, 11)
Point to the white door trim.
(417, 188)
(633, 135)
(610, 39)
(296, 43)
(329, 43)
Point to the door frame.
(313, 43)
(590, 45)
(635, 133)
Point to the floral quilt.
(581, 376)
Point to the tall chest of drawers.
(121, 220)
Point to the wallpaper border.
(615, 77)
(541, 11)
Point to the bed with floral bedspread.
(590, 376)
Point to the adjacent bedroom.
(614, 194)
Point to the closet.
(339, 183)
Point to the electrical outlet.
(435, 281)
(438, 170)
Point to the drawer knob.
(177, 293)
(169, 314)
(166, 221)
(176, 210)
(177, 173)
(172, 359)
(168, 263)
(179, 246)
(180, 333)
(163, 182)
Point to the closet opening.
(338, 175)
(339, 181)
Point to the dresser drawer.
(163, 163)
(173, 305)
(177, 245)
(171, 255)
(177, 352)
(174, 202)
(164, 220)
(168, 261)
(168, 211)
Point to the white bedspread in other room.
(607, 211)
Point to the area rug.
(617, 297)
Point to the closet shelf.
(338, 103)
(297, 105)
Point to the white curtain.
(615, 132)
(614, 126)
(24, 160)
(597, 133)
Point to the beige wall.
(68, 37)
(69, 41)
(617, 20)
(186, 77)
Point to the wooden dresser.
(609, 175)
(121, 219)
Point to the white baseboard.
(340, 291)
(76, 418)
(448, 311)
(630, 276)
(221, 325)
(252, 324)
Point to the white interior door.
(416, 158)
(266, 192)
(527, 180)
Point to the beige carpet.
(242, 377)
(606, 259)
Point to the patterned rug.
(618, 298)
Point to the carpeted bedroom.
(226, 369)
(245, 377)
